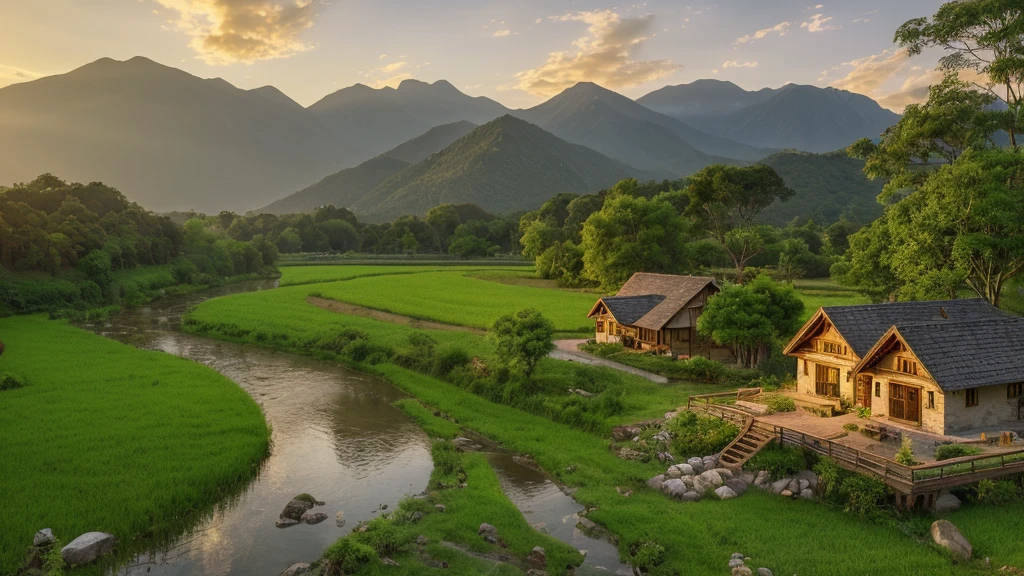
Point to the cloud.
(394, 67)
(818, 23)
(15, 75)
(781, 28)
(605, 56)
(228, 31)
(888, 77)
(735, 64)
(502, 33)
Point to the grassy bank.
(107, 437)
(295, 275)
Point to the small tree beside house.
(522, 340)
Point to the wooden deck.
(911, 483)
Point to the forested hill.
(503, 166)
(827, 186)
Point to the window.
(600, 325)
(972, 397)
(805, 368)
(826, 381)
(931, 401)
(907, 366)
(831, 347)
(878, 389)
(1015, 390)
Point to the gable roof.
(677, 292)
(628, 309)
(961, 355)
(862, 326)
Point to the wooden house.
(656, 311)
(946, 366)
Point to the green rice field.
(294, 275)
(108, 437)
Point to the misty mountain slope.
(376, 120)
(795, 116)
(827, 186)
(503, 166)
(168, 139)
(609, 122)
(347, 187)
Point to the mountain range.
(173, 141)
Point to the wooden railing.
(907, 479)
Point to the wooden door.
(864, 390)
(904, 403)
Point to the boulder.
(779, 485)
(725, 473)
(623, 433)
(339, 518)
(630, 454)
(725, 493)
(804, 484)
(946, 503)
(285, 522)
(810, 476)
(486, 528)
(735, 562)
(945, 534)
(737, 485)
(807, 494)
(764, 572)
(439, 507)
(466, 445)
(295, 569)
(691, 496)
(674, 487)
(786, 493)
(43, 538)
(710, 462)
(684, 469)
(697, 464)
(311, 517)
(657, 482)
(295, 509)
(700, 486)
(742, 571)
(761, 479)
(537, 558)
(712, 477)
(88, 547)
(794, 486)
(673, 472)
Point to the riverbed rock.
(312, 517)
(945, 534)
(285, 522)
(296, 569)
(295, 509)
(466, 445)
(674, 487)
(947, 503)
(587, 525)
(87, 548)
(537, 558)
(725, 493)
(339, 518)
(43, 538)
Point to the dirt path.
(355, 310)
(569, 351)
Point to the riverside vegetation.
(568, 434)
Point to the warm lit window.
(600, 325)
(972, 397)
(931, 401)
(907, 366)
(831, 347)
(1015, 390)
(826, 381)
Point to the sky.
(516, 52)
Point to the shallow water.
(336, 436)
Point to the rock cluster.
(738, 567)
(299, 510)
(691, 480)
(800, 485)
(490, 534)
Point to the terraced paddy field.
(104, 436)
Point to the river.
(336, 436)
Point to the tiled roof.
(677, 291)
(862, 326)
(628, 309)
(969, 354)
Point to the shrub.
(851, 427)
(905, 455)
(779, 403)
(829, 476)
(9, 381)
(779, 461)
(53, 562)
(646, 554)
(998, 492)
(863, 412)
(445, 456)
(346, 556)
(382, 535)
(862, 495)
(369, 352)
(449, 359)
(694, 435)
(947, 451)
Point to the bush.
(646, 554)
(829, 476)
(998, 492)
(779, 461)
(382, 535)
(694, 435)
(9, 381)
(449, 359)
(445, 456)
(905, 455)
(947, 451)
(346, 556)
(361, 350)
(851, 427)
(779, 403)
(862, 495)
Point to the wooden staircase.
(749, 442)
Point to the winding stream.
(336, 436)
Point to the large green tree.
(630, 234)
(522, 340)
(985, 37)
(728, 200)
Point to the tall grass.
(107, 437)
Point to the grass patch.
(107, 437)
(296, 275)
(434, 427)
